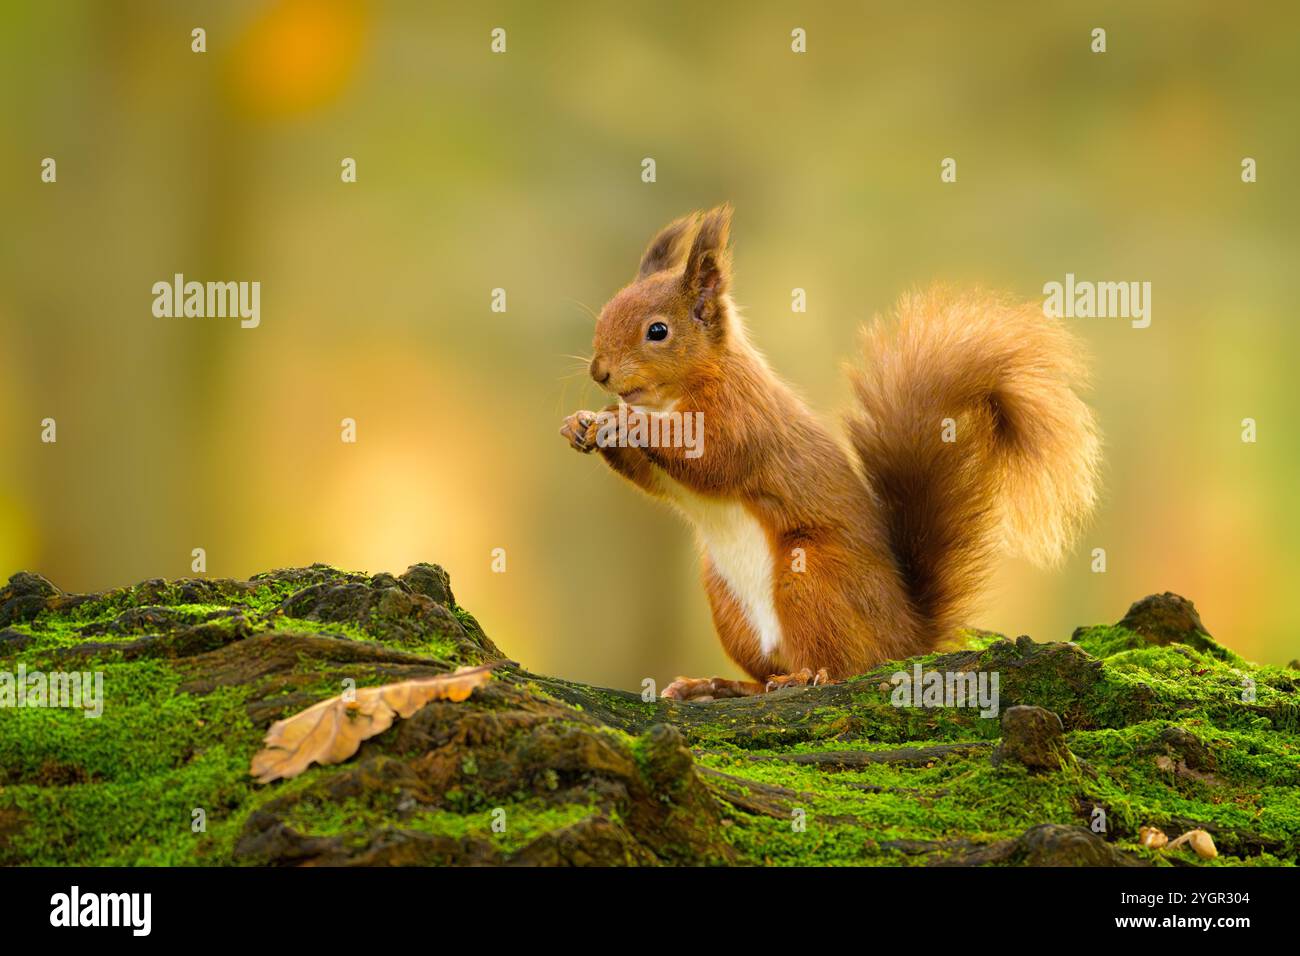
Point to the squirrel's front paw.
(580, 430)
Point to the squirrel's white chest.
(740, 553)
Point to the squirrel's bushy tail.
(1018, 470)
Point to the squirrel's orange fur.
(895, 544)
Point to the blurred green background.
(522, 171)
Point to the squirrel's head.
(669, 325)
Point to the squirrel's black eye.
(657, 332)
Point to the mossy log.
(1151, 723)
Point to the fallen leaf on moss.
(1152, 837)
(331, 731)
(1201, 842)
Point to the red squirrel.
(821, 561)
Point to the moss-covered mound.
(1145, 723)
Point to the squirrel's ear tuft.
(667, 249)
(708, 266)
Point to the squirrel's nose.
(599, 370)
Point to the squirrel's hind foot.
(803, 678)
(704, 689)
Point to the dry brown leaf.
(1152, 837)
(331, 731)
(1201, 842)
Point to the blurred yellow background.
(522, 171)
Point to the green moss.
(121, 788)
(507, 828)
(874, 815)
(1108, 640)
(176, 736)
